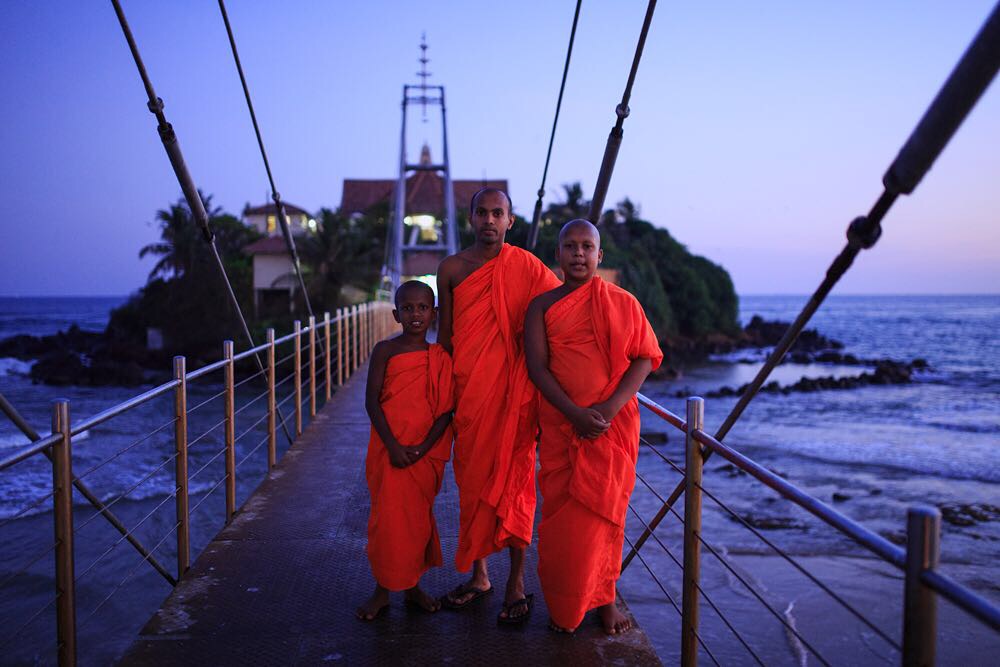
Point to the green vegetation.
(683, 294)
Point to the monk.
(409, 398)
(589, 347)
(484, 292)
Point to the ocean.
(870, 452)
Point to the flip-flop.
(413, 605)
(463, 589)
(528, 601)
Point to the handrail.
(27, 452)
(125, 405)
(964, 598)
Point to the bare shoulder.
(541, 303)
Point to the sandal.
(448, 602)
(527, 602)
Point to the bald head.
(414, 289)
(580, 226)
(483, 191)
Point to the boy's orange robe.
(594, 333)
(495, 414)
(402, 534)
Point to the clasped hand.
(591, 422)
(401, 457)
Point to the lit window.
(272, 223)
(312, 225)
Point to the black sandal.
(528, 601)
(463, 589)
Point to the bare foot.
(614, 622)
(515, 602)
(473, 588)
(558, 628)
(374, 605)
(417, 596)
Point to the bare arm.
(373, 391)
(444, 305)
(588, 423)
(626, 389)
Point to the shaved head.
(413, 288)
(472, 203)
(581, 224)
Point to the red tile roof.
(424, 193)
(271, 209)
(269, 245)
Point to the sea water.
(869, 452)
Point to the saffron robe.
(594, 333)
(496, 404)
(403, 540)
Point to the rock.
(773, 522)
(654, 437)
(969, 514)
(897, 537)
(839, 497)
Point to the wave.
(12, 366)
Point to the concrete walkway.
(279, 585)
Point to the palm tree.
(180, 242)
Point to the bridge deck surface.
(279, 585)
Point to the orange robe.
(594, 333)
(403, 538)
(496, 404)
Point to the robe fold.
(496, 404)
(594, 333)
(403, 540)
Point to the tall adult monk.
(589, 348)
(484, 292)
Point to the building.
(274, 281)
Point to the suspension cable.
(537, 215)
(191, 194)
(279, 205)
(956, 98)
(622, 111)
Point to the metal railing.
(923, 582)
(331, 351)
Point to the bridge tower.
(417, 242)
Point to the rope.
(615, 137)
(191, 194)
(959, 94)
(536, 217)
(279, 205)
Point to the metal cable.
(615, 137)
(128, 576)
(801, 569)
(191, 194)
(956, 98)
(291, 396)
(206, 433)
(35, 503)
(252, 451)
(250, 428)
(79, 527)
(207, 401)
(671, 600)
(285, 358)
(250, 402)
(9, 578)
(107, 551)
(38, 613)
(207, 463)
(249, 378)
(536, 217)
(282, 381)
(278, 204)
(208, 494)
(134, 444)
(643, 441)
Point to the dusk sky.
(758, 130)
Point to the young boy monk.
(485, 291)
(409, 398)
(589, 347)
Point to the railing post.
(62, 484)
(181, 466)
(272, 402)
(298, 378)
(692, 531)
(312, 367)
(347, 341)
(368, 329)
(923, 543)
(230, 399)
(357, 338)
(326, 339)
(340, 347)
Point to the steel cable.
(250, 428)
(134, 444)
(38, 613)
(205, 434)
(207, 401)
(208, 494)
(537, 215)
(6, 580)
(661, 455)
(27, 508)
(207, 463)
(124, 494)
(252, 451)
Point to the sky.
(758, 130)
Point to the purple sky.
(757, 131)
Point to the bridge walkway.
(279, 585)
